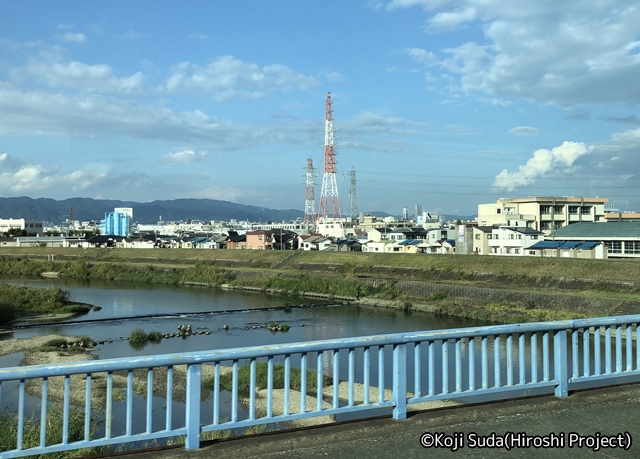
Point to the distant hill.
(143, 212)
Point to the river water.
(239, 310)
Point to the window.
(632, 247)
(511, 236)
(534, 237)
(259, 237)
(573, 210)
(508, 250)
(489, 236)
(558, 209)
(586, 210)
(517, 250)
(545, 210)
(532, 252)
(519, 236)
(477, 237)
(396, 249)
(614, 246)
(498, 211)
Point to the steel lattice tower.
(329, 201)
(353, 198)
(310, 203)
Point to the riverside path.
(583, 424)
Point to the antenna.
(329, 200)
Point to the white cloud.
(542, 50)
(540, 164)
(37, 177)
(37, 113)
(71, 37)
(422, 56)
(228, 78)
(83, 77)
(450, 20)
(524, 131)
(184, 156)
(500, 102)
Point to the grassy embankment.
(16, 302)
(503, 289)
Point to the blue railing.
(157, 397)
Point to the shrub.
(138, 336)
(154, 336)
(53, 344)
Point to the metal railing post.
(192, 414)
(400, 381)
(561, 373)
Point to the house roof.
(583, 245)
(590, 230)
(485, 229)
(315, 239)
(522, 229)
(347, 242)
(235, 237)
(413, 242)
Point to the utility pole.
(310, 203)
(353, 198)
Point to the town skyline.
(443, 104)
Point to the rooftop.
(589, 230)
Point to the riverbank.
(496, 289)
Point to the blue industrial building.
(117, 224)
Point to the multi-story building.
(622, 239)
(29, 226)
(117, 224)
(259, 240)
(542, 213)
(513, 239)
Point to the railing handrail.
(424, 366)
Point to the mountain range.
(85, 209)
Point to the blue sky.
(440, 103)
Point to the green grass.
(31, 436)
(244, 378)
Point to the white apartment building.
(542, 213)
(513, 239)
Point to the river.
(239, 310)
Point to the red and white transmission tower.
(310, 203)
(329, 201)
